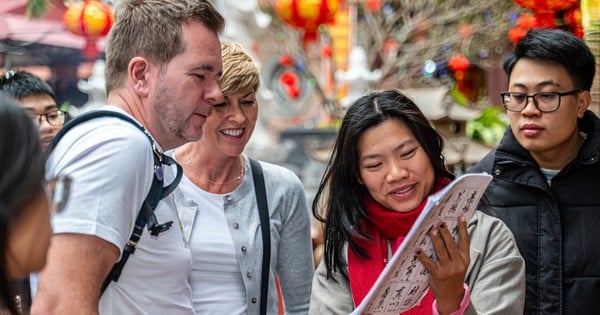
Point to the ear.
(360, 181)
(583, 102)
(138, 72)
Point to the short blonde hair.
(240, 73)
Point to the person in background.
(546, 171)
(24, 202)
(386, 161)
(38, 99)
(220, 213)
(163, 60)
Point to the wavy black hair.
(339, 199)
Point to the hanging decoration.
(524, 23)
(91, 19)
(307, 15)
(545, 10)
(373, 5)
(459, 64)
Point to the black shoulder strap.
(157, 191)
(263, 209)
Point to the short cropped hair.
(240, 73)
(152, 29)
(558, 46)
(20, 84)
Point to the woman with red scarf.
(386, 161)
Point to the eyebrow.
(207, 67)
(397, 148)
(52, 107)
(539, 85)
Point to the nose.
(530, 107)
(236, 115)
(396, 171)
(44, 125)
(212, 93)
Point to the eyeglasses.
(545, 102)
(54, 118)
(58, 190)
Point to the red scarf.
(383, 225)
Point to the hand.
(447, 275)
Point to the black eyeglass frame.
(38, 117)
(535, 101)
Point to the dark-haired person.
(547, 171)
(24, 205)
(386, 161)
(38, 99)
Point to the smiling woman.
(386, 161)
(24, 206)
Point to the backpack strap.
(265, 227)
(157, 191)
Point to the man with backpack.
(163, 62)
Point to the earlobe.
(583, 103)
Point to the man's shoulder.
(485, 164)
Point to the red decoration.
(458, 63)
(326, 51)
(91, 19)
(372, 5)
(546, 5)
(307, 15)
(526, 21)
(286, 60)
(289, 81)
(573, 19)
(545, 10)
(516, 33)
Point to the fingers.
(440, 243)
(426, 261)
(463, 239)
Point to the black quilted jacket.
(556, 225)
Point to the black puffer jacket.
(556, 225)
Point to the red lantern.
(307, 15)
(458, 63)
(546, 5)
(91, 19)
(526, 21)
(516, 33)
(545, 9)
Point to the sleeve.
(330, 296)
(111, 167)
(464, 304)
(497, 277)
(295, 266)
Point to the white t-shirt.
(111, 164)
(216, 280)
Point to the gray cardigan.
(291, 247)
(496, 275)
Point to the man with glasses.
(38, 99)
(546, 171)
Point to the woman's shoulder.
(488, 232)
